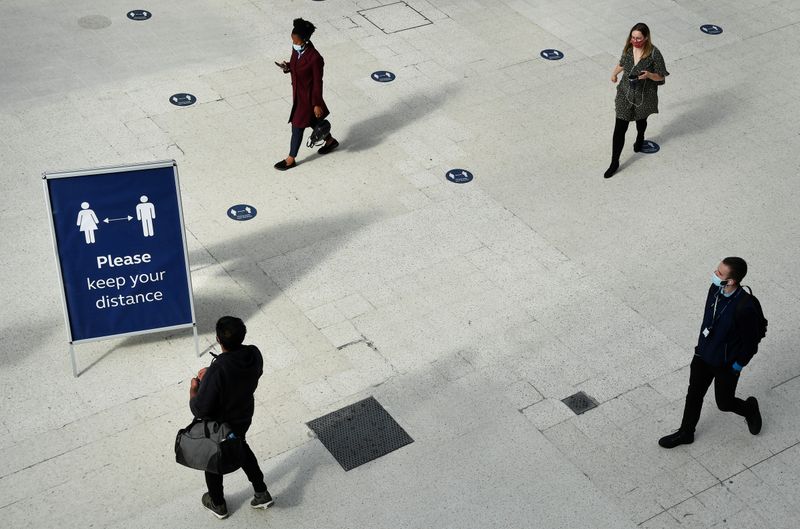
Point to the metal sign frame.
(48, 176)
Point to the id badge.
(706, 332)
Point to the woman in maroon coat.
(308, 107)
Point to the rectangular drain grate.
(392, 18)
(580, 402)
(359, 433)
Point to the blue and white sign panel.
(121, 250)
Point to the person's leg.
(294, 147)
(617, 143)
(214, 484)
(641, 126)
(700, 377)
(251, 468)
(725, 393)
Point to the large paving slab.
(469, 311)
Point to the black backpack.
(761, 328)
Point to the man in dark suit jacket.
(727, 342)
(224, 392)
(306, 66)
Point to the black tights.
(620, 129)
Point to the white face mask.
(298, 47)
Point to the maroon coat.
(306, 87)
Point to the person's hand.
(318, 111)
(614, 77)
(201, 373)
(644, 75)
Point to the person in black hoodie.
(224, 392)
(728, 340)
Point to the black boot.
(637, 145)
(675, 439)
(754, 416)
(611, 169)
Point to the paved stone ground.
(468, 311)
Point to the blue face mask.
(298, 47)
(717, 280)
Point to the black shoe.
(611, 170)
(283, 166)
(261, 500)
(637, 145)
(325, 149)
(754, 417)
(674, 439)
(220, 511)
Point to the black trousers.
(700, 377)
(250, 467)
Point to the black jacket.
(732, 336)
(226, 391)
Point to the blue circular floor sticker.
(139, 14)
(650, 147)
(182, 100)
(710, 29)
(459, 176)
(242, 212)
(551, 55)
(382, 76)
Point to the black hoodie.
(226, 391)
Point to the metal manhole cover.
(391, 18)
(580, 402)
(359, 433)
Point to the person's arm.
(316, 85)
(652, 76)
(747, 321)
(615, 72)
(204, 394)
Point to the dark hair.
(303, 28)
(737, 266)
(230, 332)
(642, 28)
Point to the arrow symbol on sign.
(107, 220)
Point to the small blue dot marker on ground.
(551, 54)
(459, 176)
(382, 76)
(242, 212)
(650, 147)
(710, 29)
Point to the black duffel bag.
(209, 445)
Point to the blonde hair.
(642, 28)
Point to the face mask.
(717, 280)
(637, 44)
(298, 47)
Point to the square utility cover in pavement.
(359, 433)
(392, 18)
(580, 402)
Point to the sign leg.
(196, 340)
(72, 358)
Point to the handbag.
(209, 445)
(321, 129)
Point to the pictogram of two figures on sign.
(88, 222)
